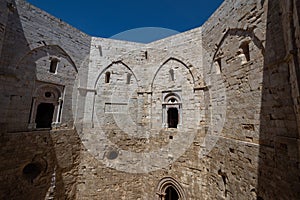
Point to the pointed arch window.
(169, 189)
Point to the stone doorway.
(169, 189)
(44, 115)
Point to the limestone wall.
(38, 37)
(213, 112)
(38, 163)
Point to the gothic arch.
(188, 67)
(237, 32)
(164, 184)
(55, 48)
(110, 65)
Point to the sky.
(127, 19)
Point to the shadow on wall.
(278, 173)
(17, 82)
(29, 167)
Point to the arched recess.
(41, 51)
(115, 96)
(64, 76)
(240, 33)
(110, 65)
(165, 184)
(188, 67)
(185, 81)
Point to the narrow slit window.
(128, 78)
(100, 50)
(107, 77)
(218, 65)
(171, 72)
(245, 49)
(53, 65)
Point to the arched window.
(107, 77)
(172, 110)
(169, 189)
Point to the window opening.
(128, 78)
(173, 100)
(171, 194)
(53, 65)
(245, 49)
(107, 77)
(47, 94)
(100, 50)
(218, 64)
(171, 71)
(44, 115)
(60, 110)
(172, 118)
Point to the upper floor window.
(107, 77)
(128, 78)
(53, 65)
(171, 72)
(244, 48)
(172, 110)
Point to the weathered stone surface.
(212, 112)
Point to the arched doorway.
(169, 189)
(44, 115)
(171, 194)
(172, 117)
(46, 106)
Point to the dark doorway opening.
(172, 117)
(171, 194)
(44, 115)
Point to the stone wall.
(233, 55)
(212, 112)
(38, 163)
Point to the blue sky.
(105, 18)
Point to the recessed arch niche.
(172, 100)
